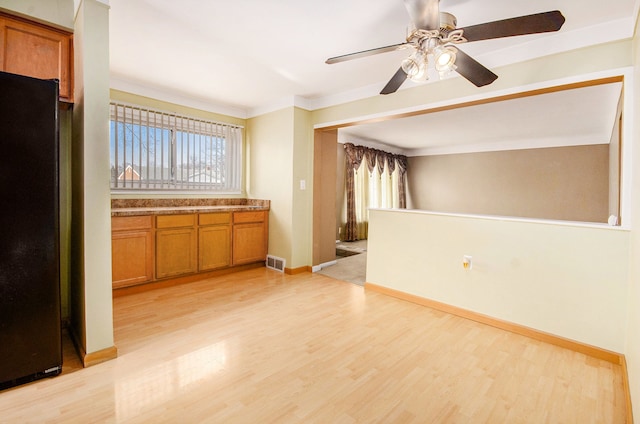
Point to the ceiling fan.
(434, 34)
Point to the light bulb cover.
(446, 72)
(410, 67)
(415, 64)
(421, 76)
(445, 58)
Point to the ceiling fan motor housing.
(448, 22)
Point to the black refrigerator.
(30, 313)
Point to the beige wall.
(565, 183)
(632, 348)
(302, 228)
(279, 156)
(270, 141)
(566, 280)
(58, 13)
(66, 134)
(92, 312)
(615, 165)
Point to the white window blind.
(154, 150)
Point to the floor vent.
(276, 263)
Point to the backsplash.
(168, 203)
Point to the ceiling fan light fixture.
(415, 65)
(422, 74)
(432, 34)
(445, 58)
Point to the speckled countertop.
(132, 207)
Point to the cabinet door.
(176, 252)
(131, 257)
(214, 247)
(249, 241)
(36, 51)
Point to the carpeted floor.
(351, 263)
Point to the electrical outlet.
(467, 262)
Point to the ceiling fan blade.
(366, 53)
(425, 14)
(395, 82)
(529, 24)
(473, 71)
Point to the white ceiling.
(242, 57)
(573, 117)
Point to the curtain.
(402, 180)
(353, 158)
(361, 189)
(374, 179)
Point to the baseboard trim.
(593, 351)
(317, 268)
(93, 358)
(627, 390)
(299, 270)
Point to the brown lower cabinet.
(249, 237)
(132, 250)
(214, 241)
(148, 248)
(175, 252)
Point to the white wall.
(567, 280)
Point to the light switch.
(303, 185)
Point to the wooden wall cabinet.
(250, 236)
(214, 241)
(38, 51)
(176, 245)
(132, 253)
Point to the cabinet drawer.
(251, 216)
(214, 218)
(175, 221)
(119, 223)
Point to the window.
(152, 150)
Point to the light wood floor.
(263, 347)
